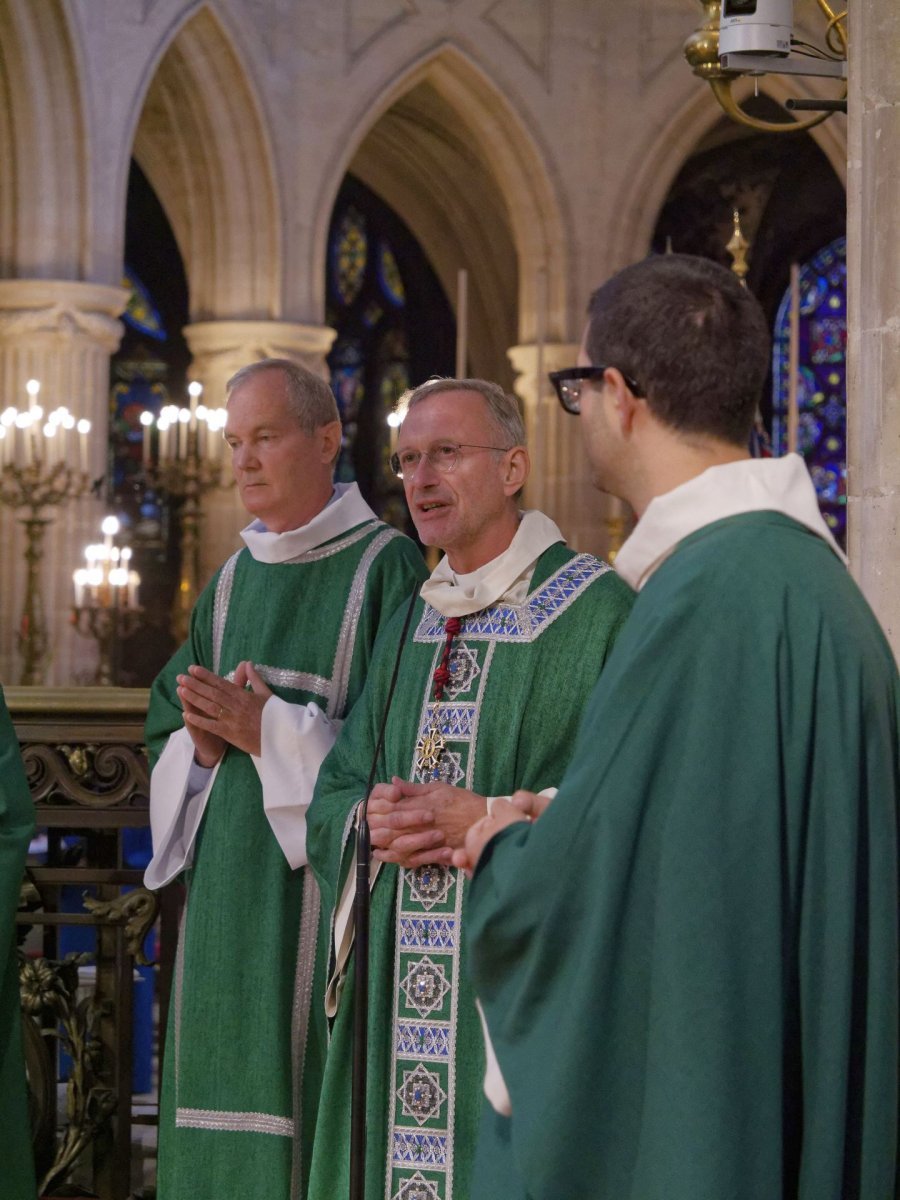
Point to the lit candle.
(109, 527)
(84, 428)
(80, 579)
(184, 416)
(22, 422)
(195, 391)
(50, 444)
(146, 421)
(134, 581)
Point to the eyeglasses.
(443, 457)
(568, 385)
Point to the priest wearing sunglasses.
(688, 958)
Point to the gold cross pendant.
(429, 749)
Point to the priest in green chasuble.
(505, 643)
(16, 829)
(239, 723)
(688, 959)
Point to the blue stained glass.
(821, 390)
(389, 276)
(141, 313)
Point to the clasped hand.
(219, 713)
(521, 806)
(412, 824)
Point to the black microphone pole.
(361, 912)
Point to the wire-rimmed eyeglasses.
(443, 457)
(568, 385)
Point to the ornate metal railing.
(87, 770)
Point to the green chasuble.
(245, 1046)
(520, 676)
(689, 963)
(16, 828)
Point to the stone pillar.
(560, 483)
(61, 333)
(220, 348)
(873, 277)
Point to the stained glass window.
(349, 253)
(394, 329)
(141, 313)
(821, 390)
(389, 276)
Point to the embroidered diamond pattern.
(525, 622)
(421, 1094)
(464, 670)
(428, 1149)
(417, 1187)
(430, 885)
(422, 1041)
(455, 721)
(425, 986)
(427, 933)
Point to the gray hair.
(503, 409)
(309, 398)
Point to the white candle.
(146, 422)
(184, 417)
(84, 428)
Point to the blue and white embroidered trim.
(521, 622)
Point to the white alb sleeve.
(179, 789)
(294, 740)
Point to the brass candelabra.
(190, 461)
(106, 607)
(36, 476)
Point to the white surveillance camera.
(756, 27)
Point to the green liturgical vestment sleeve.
(689, 962)
(16, 828)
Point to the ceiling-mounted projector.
(756, 27)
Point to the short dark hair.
(309, 398)
(695, 340)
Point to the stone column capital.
(58, 310)
(222, 347)
(531, 357)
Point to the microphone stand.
(361, 913)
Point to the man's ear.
(329, 441)
(518, 468)
(624, 400)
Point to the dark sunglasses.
(567, 384)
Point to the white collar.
(751, 485)
(344, 511)
(505, 577)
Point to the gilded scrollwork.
(89, 775)
(50, 997)
(135, 910)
